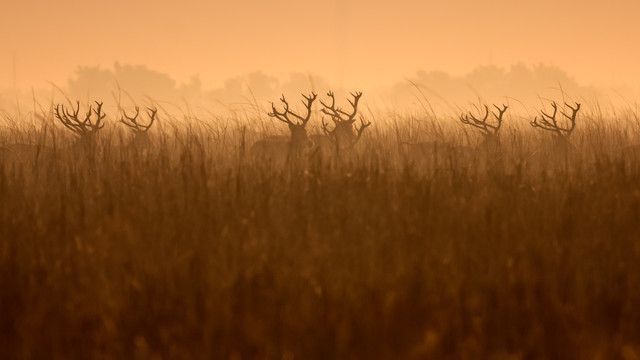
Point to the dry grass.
(188, 250)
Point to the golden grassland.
(189, 249)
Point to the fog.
(350, 43)
(124, 85)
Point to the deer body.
(279, 150)
(345, 134)
(85, 130)
(440, 153)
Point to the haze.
(352, 43)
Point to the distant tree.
(488, 84)
(137, 80)
(243, 89)
(305, 82)
(140, 81)
(91, 82)
(264, 88)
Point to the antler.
(361, 130)
(325, 129)
(343, 133)
(549, 122)
(284, 116)
(337, 114)
(486, 128)
(82, 127)
(133, 121)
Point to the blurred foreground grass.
(190, 250)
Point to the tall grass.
(189, 249)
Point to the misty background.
(521, 86)
(212, 56)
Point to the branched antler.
(327, 132)
(284, 115)
(549, 122)
(337, 114)
(81, 127)
(486, 128)
(345, 133)
(132, 122)
(361, 130)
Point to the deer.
(561, 134)
(281, 149)
(141, 138)
(434, 151)
(85, 129)
(490, 144)
(345, 133)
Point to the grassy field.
(189, 249)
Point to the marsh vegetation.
(189, 245)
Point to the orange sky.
(353, 43)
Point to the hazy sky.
(354, 43)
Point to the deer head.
(297, 126)
(140, 130)
(560, 144)
(345, 133)
(550, 123)
(86, 128)
(487, 130)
